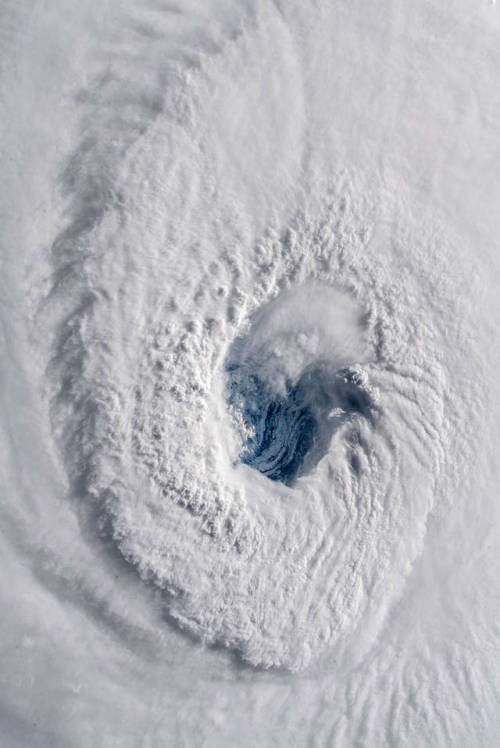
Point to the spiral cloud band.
(162, 421)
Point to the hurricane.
(250, 401)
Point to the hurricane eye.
(285, 434)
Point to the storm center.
(286, 432)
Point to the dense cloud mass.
(249, 365)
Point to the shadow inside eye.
(288, 433)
